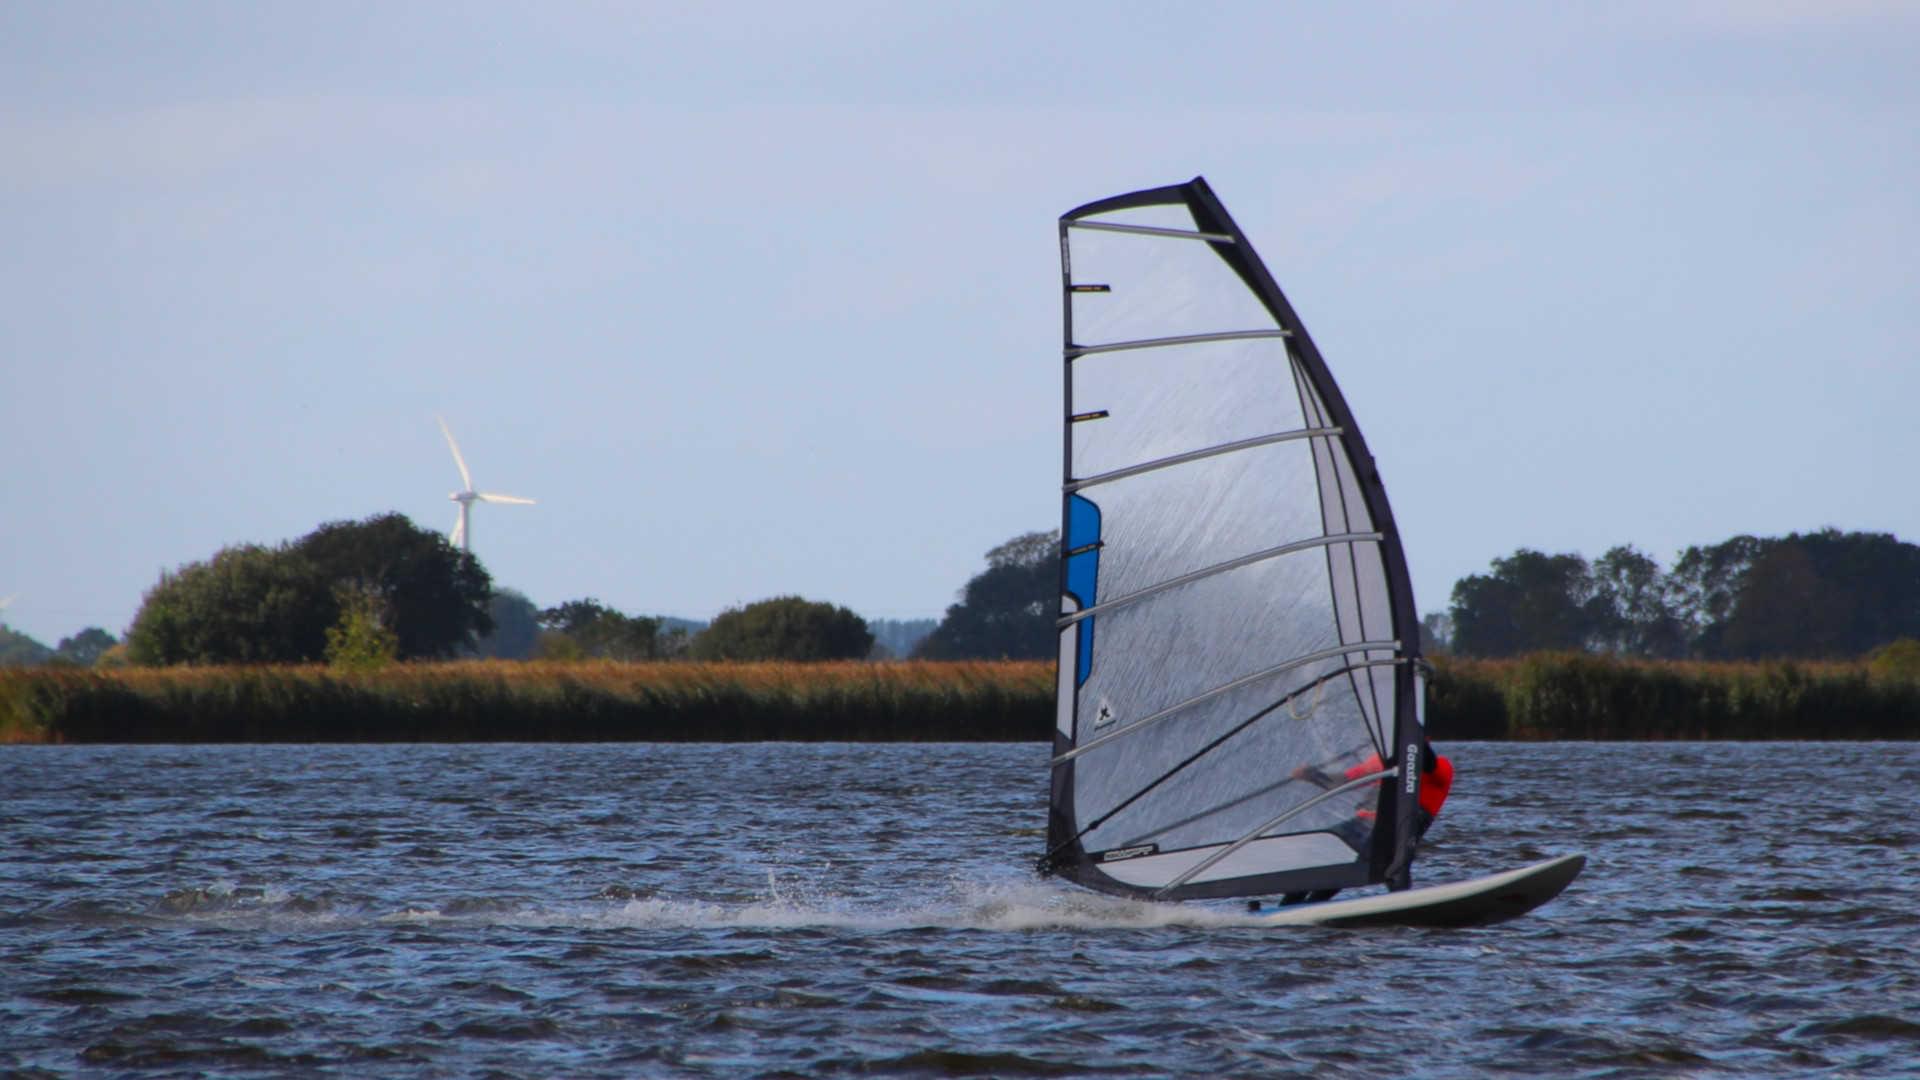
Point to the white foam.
(791, 902)
(1003, 906)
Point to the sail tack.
(1239, 676)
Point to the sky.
(762, 299)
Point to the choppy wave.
(703, 911)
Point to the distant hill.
(892, 638)
(896, 636)
(17, 649)
(899, 636)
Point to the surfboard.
(1480, 901)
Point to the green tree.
(1530, 601)
(1637, 615)
(85, 647)
(361, 639)
(19, 650)
(599, 631)
(1704, 585)
(675, 642)
(1897, 659)
(1008, 609)
(436, 595)
(1824, 594)
(516, 626)
(254, 604)
(784, 628)
(248, 604)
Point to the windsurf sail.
(1240, 685)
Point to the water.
(805, 910)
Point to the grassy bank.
(1548, 696)
(1577, 696)
(483, 701)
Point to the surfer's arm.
(1318, 777)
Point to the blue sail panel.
(1083, 573)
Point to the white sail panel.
(1158, 287)
(1165, 401)
(1154, 534)
(1182, 642)
(1298, 851)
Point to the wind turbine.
(466, 496)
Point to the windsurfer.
(1436, 780)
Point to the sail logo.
(1118, 854)
(1406, 766)
(1104, 717)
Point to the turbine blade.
(466, 478)
(488, 496)
(459, 528)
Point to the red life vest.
(1435, 785)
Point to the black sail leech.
(1267, 646)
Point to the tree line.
(362, 594)
(369, 592)
(357, 592)
(366, 593)
(1819, 595)
(80, 650)
(1826, 594)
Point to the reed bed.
(1581, 696)
(1544, 696)
(556, 701)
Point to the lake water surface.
(817, 910)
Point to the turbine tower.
(466, 496)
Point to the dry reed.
(535, 701)
(1543, 696)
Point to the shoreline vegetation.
(1543, 696)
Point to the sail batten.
(1196, 455)
(1076, 351)
(1237, 638)
(1210, 571)
(1153, 230)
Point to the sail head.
(1239, 680)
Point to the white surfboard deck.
(1476, 902)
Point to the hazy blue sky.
(763, 299)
